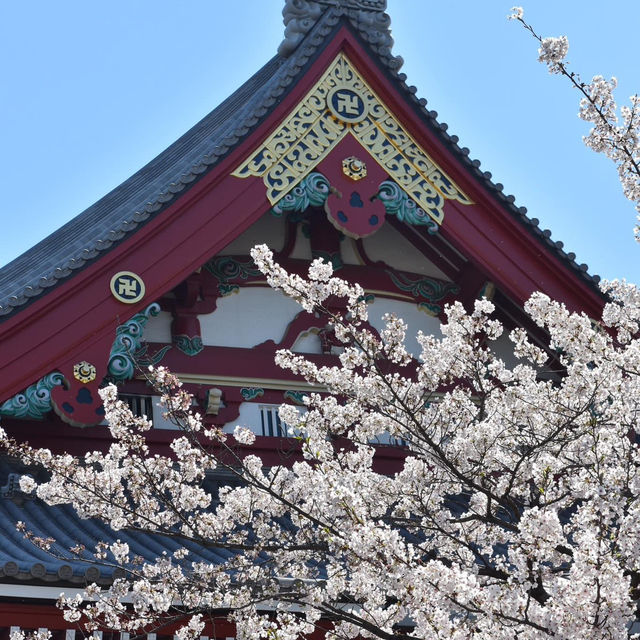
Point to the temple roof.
(144, 195)
(24, 561)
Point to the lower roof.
(21, 560)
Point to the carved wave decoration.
(251, 393)
(429, 288)
(398, 203)
(297, 397)
(35, 402)
(122, 359)
(312, 191)
(226, 269)
(190, 346)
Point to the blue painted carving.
(398, 203)
(226, 269)
(295, 396)
(144, 360)
(35, 401)
(431, 290)
(430, 309)
(312, 191)
(251, 393)
(189, 346)
(123, 356)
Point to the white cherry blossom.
(615, 130)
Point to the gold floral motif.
(341, 103)
(84, 372)
(354, 168)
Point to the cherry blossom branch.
(619, 142)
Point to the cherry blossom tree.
(615, 131)
(515, 514)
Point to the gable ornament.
(342, 112)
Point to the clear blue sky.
(91, 91)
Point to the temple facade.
(325, 152)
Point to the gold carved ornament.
(340, 104)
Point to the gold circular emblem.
(354, 168)
(84, 372)
(346, 104)
(127, 287)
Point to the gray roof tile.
(22, 560)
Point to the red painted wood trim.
(516, 264)
(48, 616)
(32, 616)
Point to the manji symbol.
(347, 105)
(127, 287)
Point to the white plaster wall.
(249, 317)
(249, 417)
(308, 342)
(348, 251)
(390, 246)
(256, 314)
(416, 320)
(302, 247)
(159, 421)
(503, 348)
(158, 328)
(268, 230)
(157, 415)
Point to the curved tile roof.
(123, 210)
(22, 560)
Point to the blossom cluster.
(615, 131)
(553, 51)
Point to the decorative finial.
(369, 16)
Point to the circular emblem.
(84, 372)
(346, 104)
(354, 168)
(127, 287)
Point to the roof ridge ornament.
(339, 105)
(368, 16)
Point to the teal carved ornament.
(128, 343)
(427, 292)
(297, 397)
(251, 393)
(228, 271)
(75, 397)
(314, 191)
(35, 402)
(190, 346)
